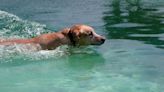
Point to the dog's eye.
(90, 34)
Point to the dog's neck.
(68, 39)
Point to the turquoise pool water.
(131, 59)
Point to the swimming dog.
(77, 35)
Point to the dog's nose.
(102, 40)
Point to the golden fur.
(77, 35)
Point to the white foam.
(11, 26)
(30, 52)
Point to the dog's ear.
(74, 34)
(65, 31)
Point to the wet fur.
(77, 35)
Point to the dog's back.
(77, 35)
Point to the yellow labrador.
(77, 35)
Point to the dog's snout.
(103, 40)
(99, 40)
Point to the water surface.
(131, 59)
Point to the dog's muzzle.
(98, 40)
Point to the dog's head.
(84, 35)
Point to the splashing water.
(12, 26)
